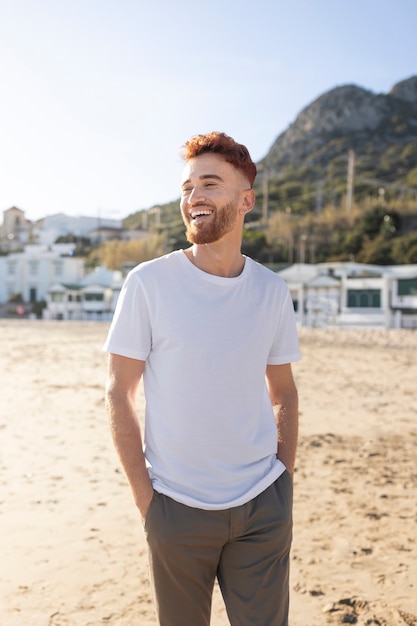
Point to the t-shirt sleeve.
(285, 347)
(130, 332)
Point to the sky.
(98, 96)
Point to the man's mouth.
(200, 213)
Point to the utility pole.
(302, 249)
(319, 196)
(265, 193)
(350, 180)
(144, 220)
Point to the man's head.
(216, 190)
(223, 145)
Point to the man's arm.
(284, 398)
(123, 378)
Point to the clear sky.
(97, 96)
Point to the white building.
(327, 294)
(31, 273)
(353, 294)
(15, 230)
(93, 298)
(49, 228)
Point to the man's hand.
(145, 503)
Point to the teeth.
(198, 213)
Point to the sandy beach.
(72, 545)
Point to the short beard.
(216, 229)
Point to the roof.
(324, 280)
(299, 273)
(102, 276)
(403, 271)
(94, 289)
(110, 229)
(323, 274)
(13, 208)
(62, 287)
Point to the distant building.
(48, 229)
(93, 298)
(353, 294)
(15, 230)
(105, 233)
(30, 273)
(324, 295)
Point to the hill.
(339, 183)
(307, 165)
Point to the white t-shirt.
(210, 433)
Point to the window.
(57, 297)
(407, 287)
(58, 268)
(93, 297)
(33, 268)
(364, 298)
(11, 268)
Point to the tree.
(380, 220)
(253, 243)
(113, 254)
(377, 251)
(405, 249)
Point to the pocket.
(284, 492)
(150, 509)
(287, 477)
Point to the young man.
(213, 334)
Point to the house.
(353, 294)
(30, 273)
(403, 296)
(105, 233)
(49, 228)
(326, 294)
(15, 230)
(93, 298)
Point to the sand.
(72, 545)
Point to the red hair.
(219, 143)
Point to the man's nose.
(196, 195)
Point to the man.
(213, 334)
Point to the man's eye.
(186, 190)
(210, 184)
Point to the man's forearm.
(286, 417)
(127, 438)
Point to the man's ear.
(248, 201)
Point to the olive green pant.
(246, 548)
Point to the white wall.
(35, 271)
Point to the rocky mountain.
(381, 130)
(307, 164)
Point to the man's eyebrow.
(204, 177)
(216, 176)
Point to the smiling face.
(214, 198)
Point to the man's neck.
(217, 259)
